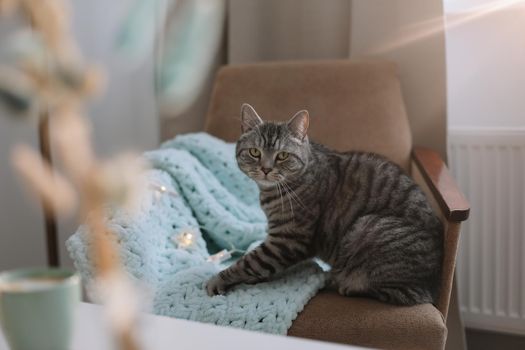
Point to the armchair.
(353, 106)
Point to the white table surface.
(163, 333)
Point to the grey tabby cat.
(357, 211)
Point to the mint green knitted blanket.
(204, 192)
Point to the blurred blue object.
(188, 33)
(30, 75)
(136, 37)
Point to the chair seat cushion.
(366, 322)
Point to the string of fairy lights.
(187, 237)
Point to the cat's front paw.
(216, 286)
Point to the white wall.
(123, 118)
(396, 30)
(485, 63)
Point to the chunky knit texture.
(217, 200)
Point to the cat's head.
(271, 152)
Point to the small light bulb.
(219, 257)
(185, 238)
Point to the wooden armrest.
(438, 178)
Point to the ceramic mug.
(37, 308)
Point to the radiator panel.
(489, 166)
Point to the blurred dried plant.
(44, 70)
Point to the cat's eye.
(282, 155)
(254, 152)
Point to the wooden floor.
(483, 340)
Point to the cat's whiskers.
(289, 197)
(281, 195)
(293, 194)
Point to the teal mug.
(37, 308)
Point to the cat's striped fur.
(357, 211)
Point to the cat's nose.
(266, 170)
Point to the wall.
(486, 63)
(264, 30)
(123, 118)
(410, 33)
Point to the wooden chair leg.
(456, 330)
(49, 215)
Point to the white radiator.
(489, 166)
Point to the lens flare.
(422, 30)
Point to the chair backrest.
(352, 105)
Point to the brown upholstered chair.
(353, 106)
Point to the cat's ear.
(299, 123)
(249, 118)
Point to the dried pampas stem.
(63, 86)
(53, 188)
(50, 19)
(7, 7)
